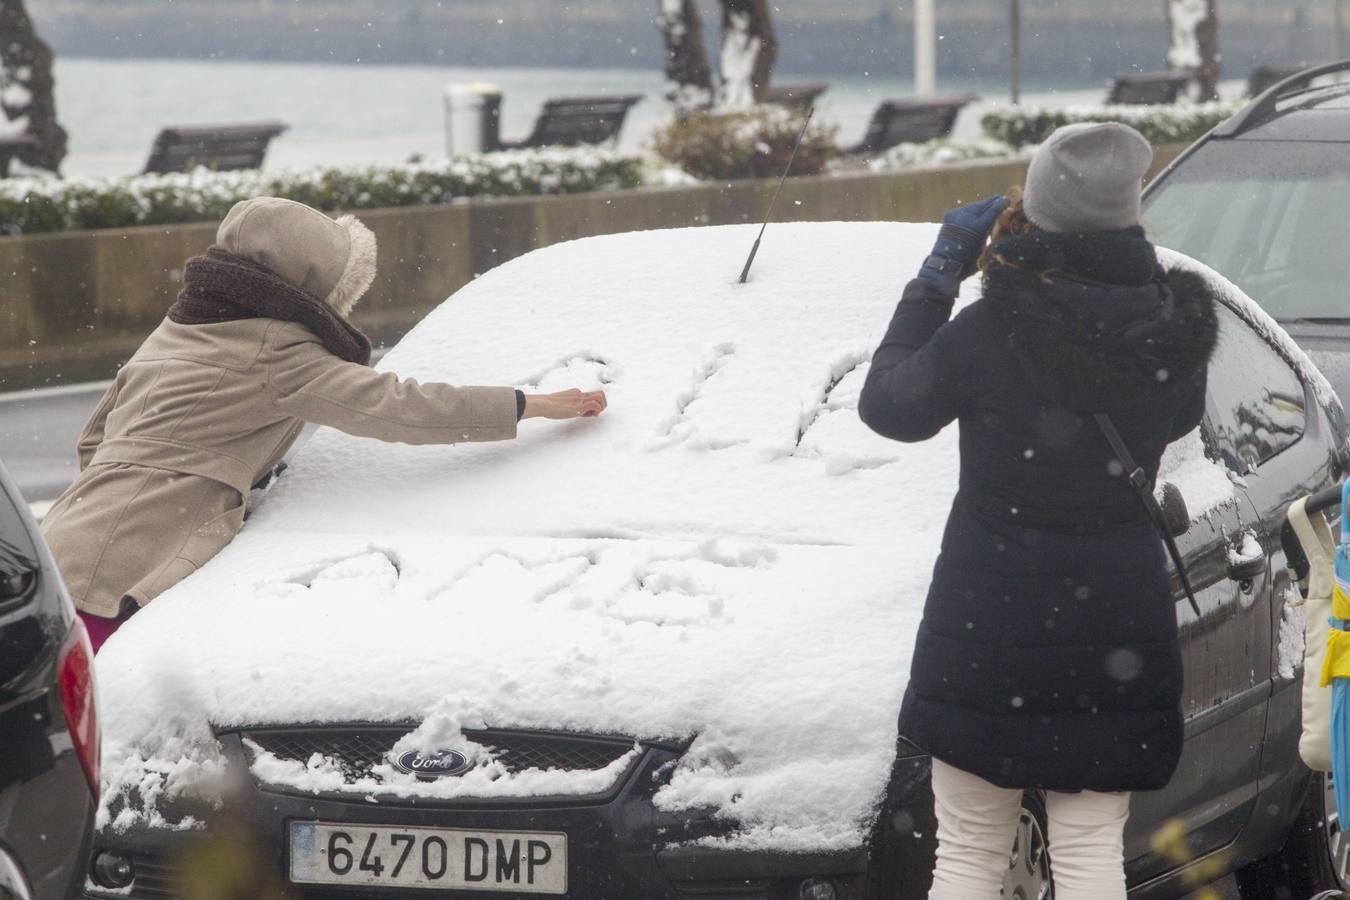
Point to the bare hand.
(573, 404)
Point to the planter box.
(74, 306)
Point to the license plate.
(445, 858)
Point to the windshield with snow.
(1270, 215)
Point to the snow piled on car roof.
(1260, 321)
(728, 556)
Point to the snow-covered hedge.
(33, 205)
(1179, 123)
(943, 151)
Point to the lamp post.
(925, 48)
(1016, 52)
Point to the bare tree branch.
(749, 51)
(27, 87)
(688, 76)
(1193, 26)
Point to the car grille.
(358, 750)
(413, 893)
(747, 889)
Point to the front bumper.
(620, 845)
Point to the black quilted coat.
(1048, 653)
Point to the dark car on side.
(462, 589)
(49, 733)
(1262, 200)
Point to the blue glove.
(960, 242)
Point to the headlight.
(112, 870)
(817, 889)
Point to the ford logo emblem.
(445, 764)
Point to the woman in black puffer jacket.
(1048, 655)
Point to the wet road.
(38, 430)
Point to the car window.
(1269, 215)
(1256, 405)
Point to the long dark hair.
(1011, 222)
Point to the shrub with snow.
(752, 144)
(33, 205)
(1178, 123)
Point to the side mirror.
(1175, 513)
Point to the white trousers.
(977, 825)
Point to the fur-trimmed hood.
(221, 287)
(1095, 322)
(333, 260)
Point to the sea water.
(356, 114)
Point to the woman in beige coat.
(256, 346)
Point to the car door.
(1296, 449)
(1255, 410)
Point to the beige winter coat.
(199, 415)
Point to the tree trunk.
(688, 76)
(749, 50)
(1194, 45)
(27, 87)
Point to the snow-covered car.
(661, 654)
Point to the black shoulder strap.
(1139, 481)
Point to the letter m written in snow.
(27, 89)
(1194, 43)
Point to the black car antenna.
(745, 273)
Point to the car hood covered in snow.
(728, 555)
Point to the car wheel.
(1028, 876)
(1315, 856)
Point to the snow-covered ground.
(728, 554)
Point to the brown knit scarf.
(222, 287)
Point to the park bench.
(910, 121)
(11, 147)
(572, 121)
(796, 97)
(224, 148)
(1266, 76)
(1139, 88)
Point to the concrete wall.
(74, 306)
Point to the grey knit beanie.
(1087, 177)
